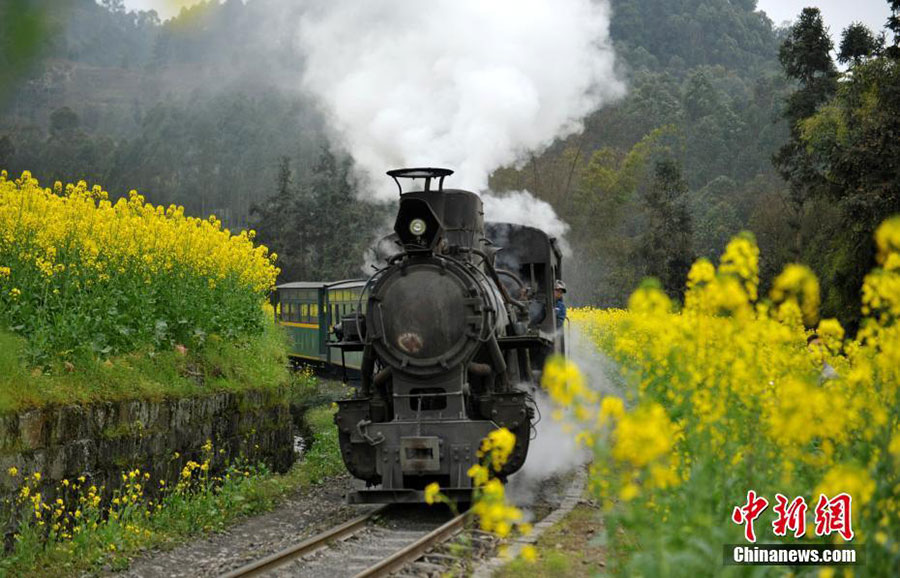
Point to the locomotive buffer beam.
(522, 342)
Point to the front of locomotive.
(434, 379)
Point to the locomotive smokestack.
(427, 173)
(418, 226)
(428, 215)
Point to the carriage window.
(304, 312)
(314, 311)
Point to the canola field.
(80, 274)
(725, 396)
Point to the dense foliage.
(204, 111)
(320, 228)
(702, 422)
(79, 273)
(841, 160)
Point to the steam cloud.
(469, 85)
(554, 450)
(465, 84)
(523, 208)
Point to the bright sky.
(838, 13)
(165, 8)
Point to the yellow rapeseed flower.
(479, 475)
(431, 492)
(741, 259)
(644, 435)
(611, 407)
(75, 238)
(851, 479)
(498, 445)
(797, 285)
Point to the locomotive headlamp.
(417, 227)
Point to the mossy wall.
(102, 440)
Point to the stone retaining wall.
(102, 440)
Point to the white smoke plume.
(465, 84)
(554, 450)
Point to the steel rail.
(415, 550)
(266, 564)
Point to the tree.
(847, 148)
(319, 228)
(342, 226)
(279, 226)
(805, 57)
(114, 6)
(63, 121)
(857, 44)
(666, 247)
(893, 24)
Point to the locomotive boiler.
(453, 330)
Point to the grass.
(575, 547)
(254, 362)
(203, 505)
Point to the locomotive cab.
(446, 353)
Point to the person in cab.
(559, 290)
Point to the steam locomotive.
(452, 331)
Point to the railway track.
(406, 541)
(357, 548)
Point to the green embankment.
(109, 535)
(249, 362)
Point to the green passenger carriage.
(308, 312)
